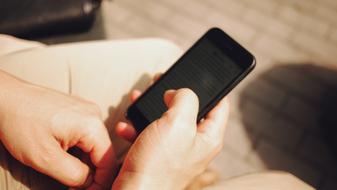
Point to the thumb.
(182, 103)
(66, 168)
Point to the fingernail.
(122, 125)
(171, 91)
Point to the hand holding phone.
(174, 149)
(211, 68)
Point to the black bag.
(32, 18)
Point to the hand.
(174, 149)
(38, 126)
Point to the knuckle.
(93, 121)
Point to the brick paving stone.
(120, 13)
(304, 21)
(135, 26)
(234, 27)
(290, 14)
(323, 49)
(267, 23)
(330, 3)
(156, 10)
(265, 6)
(326, 13)
(307, 6)
(226, 7)
(333, 35)
(277, 49)
(118, 33)
(184, 25)
(193, 9)
(316, 26)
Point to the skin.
(174, 149)
(39, 125)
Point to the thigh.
(10, 44)
(274, 180)
(106, 72)
(103, 72)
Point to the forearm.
(11, 93)
(129, 180)
(7, 84)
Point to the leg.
(11, 44)
(103, 72)
(263, 181)
(106, 72)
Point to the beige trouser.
(103, 72)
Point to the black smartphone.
(212, 67)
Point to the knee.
(166, 44)
(275, 180)
(164, 51)
(288, 180)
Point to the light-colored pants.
(103, 72)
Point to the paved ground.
(277, 119)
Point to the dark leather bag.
(32, 18)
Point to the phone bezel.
(228, 46)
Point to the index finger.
(97, 143)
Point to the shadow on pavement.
(292, 110)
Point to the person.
(52, 97)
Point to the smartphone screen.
(211, 68)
